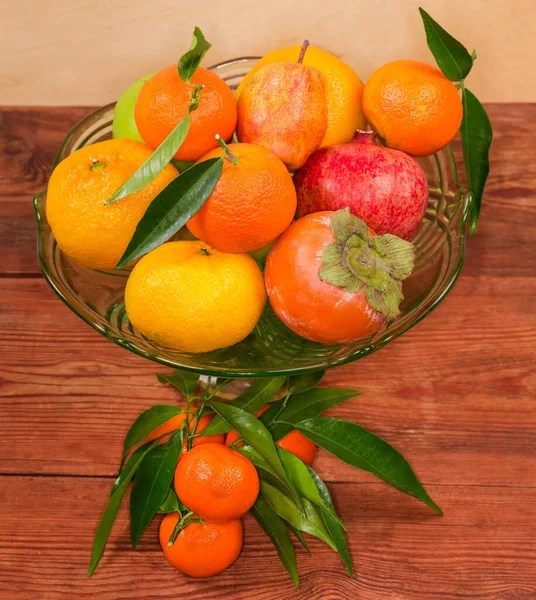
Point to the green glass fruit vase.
(97, 297)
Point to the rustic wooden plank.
(399, 549)
(456, 393)
(29, 141)
(30, 138)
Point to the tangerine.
(176, 423)
(294, 442)
(299, 445)
(163, 102)
(201, 549)
(412, 106)
(216, 482)
(89, 232)
(189, 296)
(252, 204)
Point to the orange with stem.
(252, 204)
(201, 549)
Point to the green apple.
(185, 234)
(261, 255)
(124, 125)
(181, 165)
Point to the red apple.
(384, 187)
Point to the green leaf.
(132, 463)
(151, 484)
(308, 521)
(110, 512)
(306, 406)
(170, 504)
(252, 400)
(184, 381)
(158, 160)
(451, 56)
(264, 470)
(266, 473)
(476, 134)
(303, 481)
(172, 208)
(189, 62)
(301, 538)
(298, 384)
(332, 525)
(147, 422)
(362, 449)
(256, 435)
(278, 533)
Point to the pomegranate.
(385, 188)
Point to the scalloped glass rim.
(96, 296)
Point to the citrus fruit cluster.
(283, 170)
(218, 485)
(208, 461)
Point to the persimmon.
(331, 280)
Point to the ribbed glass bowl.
(97, 296)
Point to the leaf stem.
(283, 406)
(234, 445)
(195, 95)
(230, 156)
(193, 433)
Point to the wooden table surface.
(455, 395)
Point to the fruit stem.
(357, 262)
(303, 50)
(181, 524)
(194, 433)
(230, 156)
(97, 165)
(367, 137)
(204, 252)
(236, 444)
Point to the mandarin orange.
(202, 549)
(412, 106)
(294, 442)
(216, 482)
(89, 232)
(176, 423)
(252, 204)
(163, 102)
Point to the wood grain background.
(456, 395)
(85, 52)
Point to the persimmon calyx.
(357, 261)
